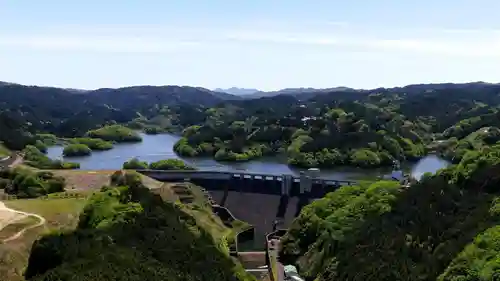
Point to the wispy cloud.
(160, 39)
(96, 44)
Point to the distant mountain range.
(303, 92)
(237, 91)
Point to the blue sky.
(265, 44)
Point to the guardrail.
(246, 175)
(272, 258)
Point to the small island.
(167, 164)
(115, 133)
(76, 149)
(37, 159)
(95, 144)
(368, 137)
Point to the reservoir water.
(159, 147)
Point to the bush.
(183, 148)
(170, 164)
(33, 157)
(93, 143)
(116, 133)
(247, 154)
(365, 158)
(25, 183)
(77, 149)
(152, 130)
(135, 164)
(41, 146)
(47, 139)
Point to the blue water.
(158, 147)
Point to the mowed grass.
(61, 214)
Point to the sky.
(264, 44)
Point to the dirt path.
(17, 161)
(5, 209)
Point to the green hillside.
(128, 233)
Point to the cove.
(157, 147)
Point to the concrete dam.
(258, 199)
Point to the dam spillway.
(258, 199)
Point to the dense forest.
(446, 227)
(366, 128)
(128, 233)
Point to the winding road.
(24, 215)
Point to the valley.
(74, 153)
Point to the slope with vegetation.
(93, 143)
(25, 183)
(35, 158)
(76, 149)
(126, 233)
(324, 128)
(115, 133)
(167, 164)
(443, 228)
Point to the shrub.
(182, 147)
(41, 146)
(25, 183)
(152, 130)
(47, 139)
(117, 133)
(170, 164)
(33, 157)
(77, 149)
(135, 164)
(93, 143)
(365, 158)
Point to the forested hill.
(337, 127)
(73, 112)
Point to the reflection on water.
(430, 164)
(157, 147)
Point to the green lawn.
(60, 213)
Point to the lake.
(158, 147)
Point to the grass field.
(60, 214)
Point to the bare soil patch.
(84, 180)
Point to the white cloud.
(96, 44)
(160, 39)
